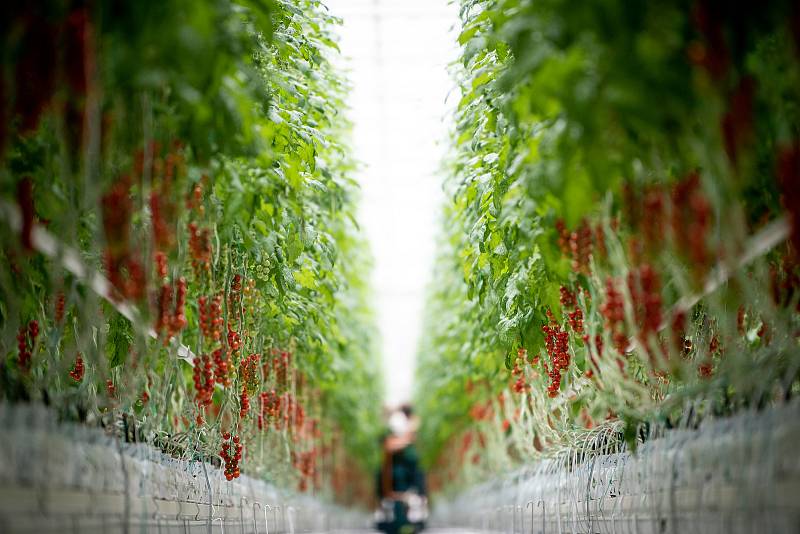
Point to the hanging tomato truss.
(179, 245)
(622, 230)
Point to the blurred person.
(403, 503)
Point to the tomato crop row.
(196, 156)
(612, 164)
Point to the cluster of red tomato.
(296, 413)
(163, 210)
(249, 375)
(26, 339)
(200, 249)
(203, 376)
(557, 345)
(210, 317)
(161, 265)
(280, 366)
(520, 385)
(306, 464)
(199, 237)
(171, 322)
(227, 358)
(244, 403)
(682, 210)
(644, 287)
(613, 311)
(123, 269)
(574, 312)
(269, 408)
(577, 244)
(54, 63)
(222, 367)
(61, 305)
(77, 371)
(249, 372)
(231, 454)
(789, 176)
(235, 294)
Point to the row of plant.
(623, 182)
(195, 156)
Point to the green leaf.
(306, 278)
(118, 340)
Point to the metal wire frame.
(738, 474)
(58, 477)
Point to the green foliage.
(225, 115)
(567, 110)
(119, 339)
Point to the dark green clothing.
(406, 476)
(406, 473)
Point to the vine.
(608, 163)
(196, 157)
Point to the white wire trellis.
(739, 474)
(57, 477)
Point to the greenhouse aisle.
(400, 103)
(318, 266)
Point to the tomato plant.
(195, 156)
(620, 185)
